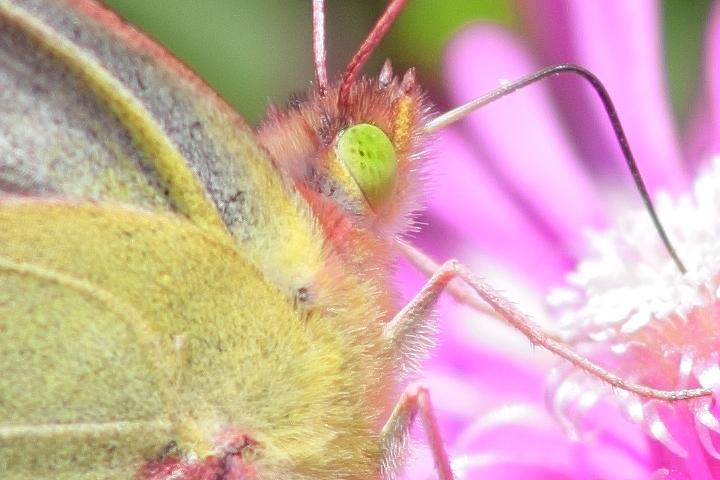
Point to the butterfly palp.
(369, 156)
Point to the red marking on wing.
(227, 465)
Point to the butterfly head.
(361, 155)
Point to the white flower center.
(630, 309)
(630, 279)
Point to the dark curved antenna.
(459, 112)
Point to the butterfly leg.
(427, 266)
(415, 400)
(415, 311)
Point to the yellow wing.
(155, 267)
(94, 109)
(124, 330)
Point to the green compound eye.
(369, 156)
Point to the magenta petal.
(698, 463)
(516, 440)
(516, 469)
(522, 141)
(523, 435)
(460, 398)
(616, 448)
(480, 218)
(665, 474)
(620, 43)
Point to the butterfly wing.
(95, 110)
(97, 117)
(151, 247)
(122, 328)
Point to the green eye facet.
(369, 155)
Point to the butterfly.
(186, 297)
(187, 309)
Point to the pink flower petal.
(478, 215)
(665, 474)
(524, 436)
(494, 196)
(525, 151)
(698, 464)
(620, 43)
